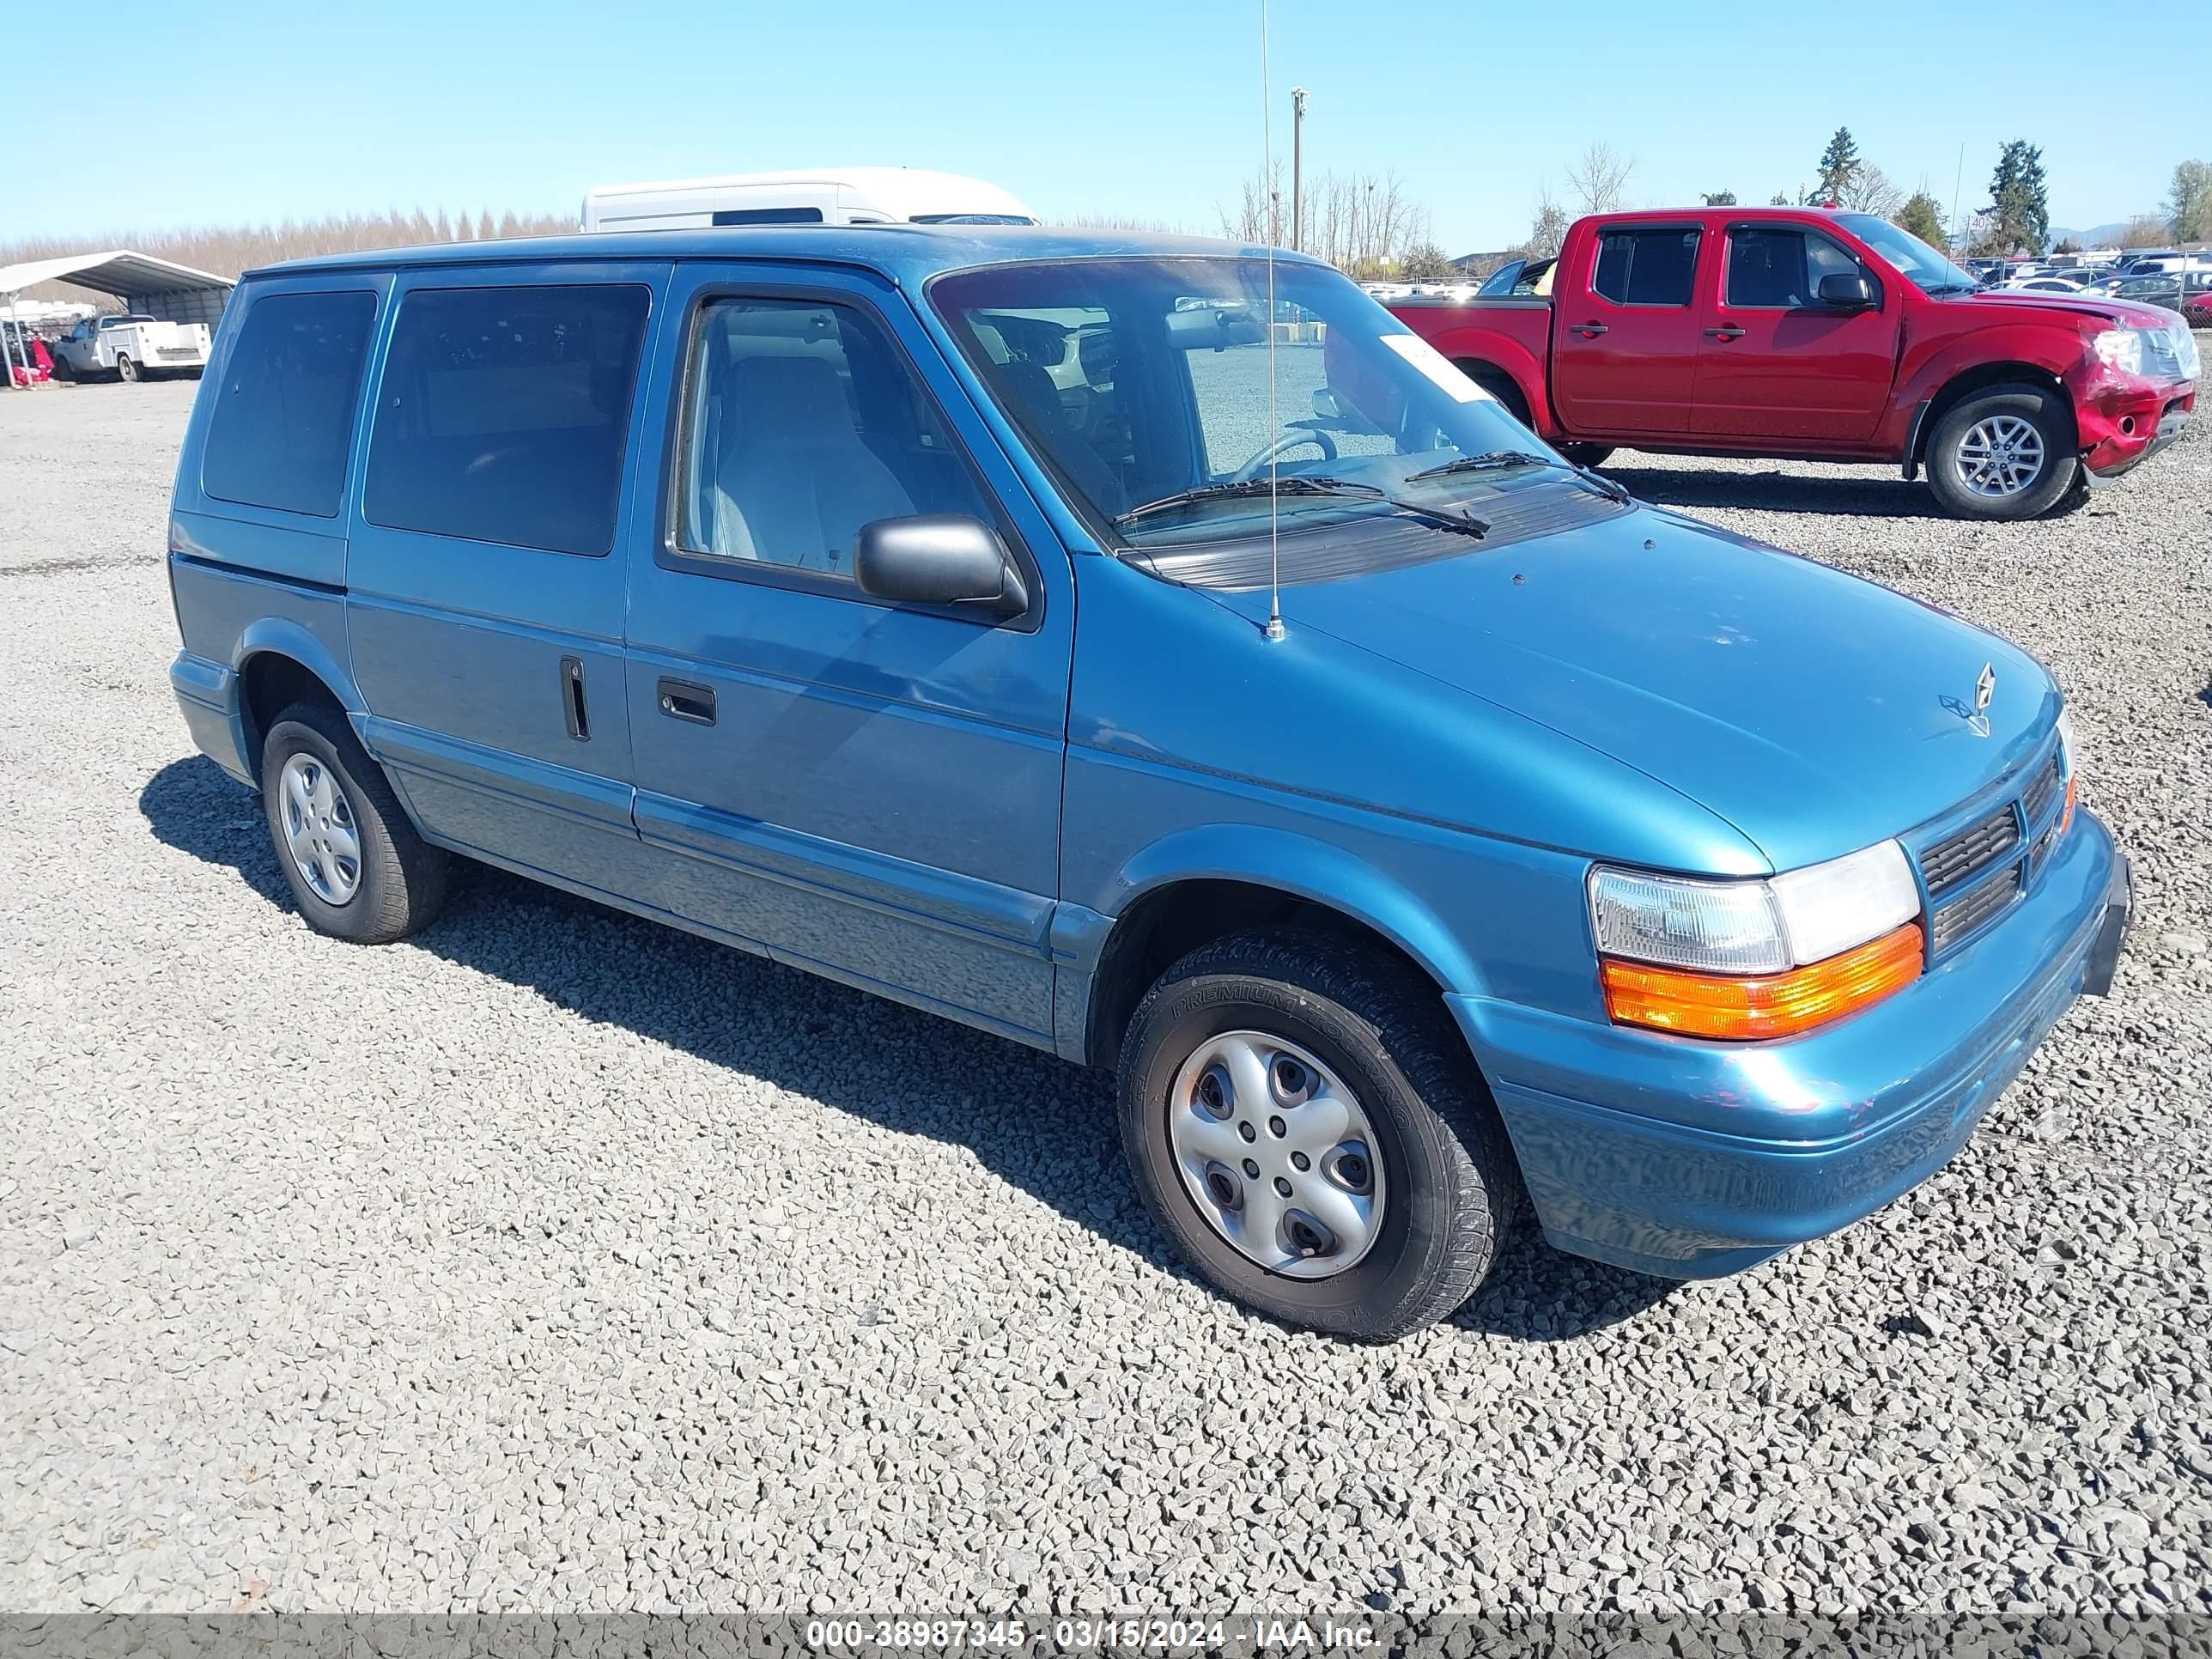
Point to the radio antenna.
(1274, 628)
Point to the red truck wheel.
(2008, 453)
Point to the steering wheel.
(1258, 464)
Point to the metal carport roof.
(159, 288)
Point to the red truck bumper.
(2123, 419)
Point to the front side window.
(1646, 267)
(803, 421)
(1148, 388)
(283, 425)
(1780, 268)
(504, 413)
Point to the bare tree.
(1360, 223)
(1869, 191)
(1599, 178)
(1547, 229)
(2144, 230)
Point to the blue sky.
(257, 111)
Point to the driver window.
(1781, 269)
(803, 422)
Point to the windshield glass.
(1141, 380)
(1917, 263)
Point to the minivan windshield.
(1917, 263)
(1146, 386)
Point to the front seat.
(1030, 391)
(796, 480)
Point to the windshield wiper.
(1302, 484)
(1489, 461)
(1297, 484)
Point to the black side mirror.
(1846, 289)
(938, 558)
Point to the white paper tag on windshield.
(1437, 366)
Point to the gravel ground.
(553, 1259)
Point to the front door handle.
(685, 701)
(1590, 330)
(1729, 332)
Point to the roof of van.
(915, 251)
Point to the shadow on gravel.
(1035, 1120)
(1776, 492)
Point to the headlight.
(2121, 349)
(1757, 958)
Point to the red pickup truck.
(1809, 334)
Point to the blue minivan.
(1146, 649)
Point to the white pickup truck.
(130, 348)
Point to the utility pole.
(1298, 169)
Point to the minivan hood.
(1816, 712)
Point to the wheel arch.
(277, 663)
(1203, 885)
(1980, 377)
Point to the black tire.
(126, 371)
(2054, 426)
(62, 370)
(1451, 1189)
(1587, 454)
(402, 877)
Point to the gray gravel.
(556, 1260)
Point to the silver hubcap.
(1277, 1154)
(2000, 456)
(318, 829)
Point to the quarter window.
(504, 412)
(1646, 267)
(284, 423)
(802, 423)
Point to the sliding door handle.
(684, 700)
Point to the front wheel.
(126, 371)
(2008, 453)
(1299, 1122)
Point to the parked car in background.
(131, 347)
(2196, 304)
(2050, 283)
(835, 595)
(1818, 335)
(817, 195)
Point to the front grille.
(1955, 921)
(2040, 792)
(1977, 846)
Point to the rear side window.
(504, 413)
(1646, 267)
(282, 429)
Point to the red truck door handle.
(1729, 331)
(1590, 330)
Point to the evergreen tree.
(1923, 214)
(1839, 165)
(2189, 203)
(2019, 201)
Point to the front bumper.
(2120, 432)
(1691, 1159)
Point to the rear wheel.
(2008, 453)
(356, 867)
(1298, 1121)
(126, 371)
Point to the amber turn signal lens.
(1772, 1006)
(2066, 818)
